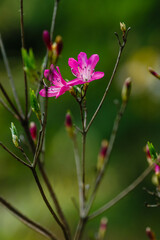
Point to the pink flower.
(83, 69)
(58, 85)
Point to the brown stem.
(48, 204)
(30, 223)
(9, 101)
(13, 155)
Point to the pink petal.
(74, 66)
(75, 82)
(82, 60)
(97, 75)
(46, 73)
(52, 92)
(62, 91)
(92, 61)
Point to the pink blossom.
(83, 69)
(58, 85)
(157, 169)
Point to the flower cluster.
(83, 70)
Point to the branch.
(7, 108)
(121, 47)
(13, 155)
(6, 63)
(109, 150)
(121, 195)
(10, 102)
(35, 226)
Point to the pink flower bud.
(154, 73)
(102, 228)
(157, 170)
(69, 125)
(150, 234)
(148, 155)
(59, 43)
(33, 131)
(102, 154)
(47, 40)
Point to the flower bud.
(47, 40)
(157, 170)
(126, 90)
(58, 45)
(14, 133)
(148, 155)
(123, 27)
(33, 131)
(69, 125)
(35, 105)
(150, 234)
(102, 154)
(154, 73)
(102, 228)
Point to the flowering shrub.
(51, 84)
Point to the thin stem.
(7, 108)
(48, 204)
(53, 18)
(121, 47)
(54, 198)
(24, 154)
(13, 155)
(80, 228)
(9, 101)
(109, 150)
(23, 46)
(8, 70)
(35, 226)
(79, 173)
(121, 195)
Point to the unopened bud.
(150, 234)
(154, 73)
(35, 105)
(33, 131)
(148, 155)
(123, 27)
(14, 133)
(157, 170)
(58, 45)
(102, 228)
(69, 125)
(126, 90)
(102, 154)
(47, 40)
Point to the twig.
(35, 226)
(23, 46)
(79, 173)
(121, 47)
(122, 194)
(8, 70)
(53, 18)
(13, 155)
(9, 101)
(7, 108)
(48, 204)
(109, 150)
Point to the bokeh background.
(87, 26)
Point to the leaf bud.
(123, 27)
(35, 105)
(14, 133)
(153, 72)
(150, 234)
(102, 228)
(152, 151)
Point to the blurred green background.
(87, 26)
